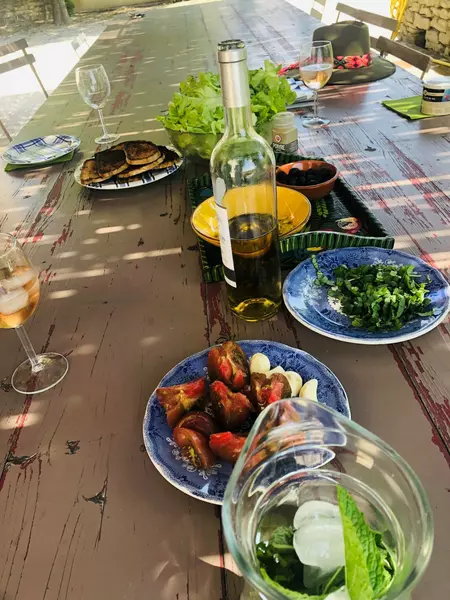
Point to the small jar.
(284, 133)
(436, 97)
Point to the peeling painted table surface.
(83, 512)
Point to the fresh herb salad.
(329, 553)
(378, 297)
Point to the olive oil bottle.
(243, 175)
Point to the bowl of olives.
(314, 178)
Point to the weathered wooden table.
(84, 515)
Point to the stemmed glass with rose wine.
(19, 297)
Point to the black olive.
(282, 177)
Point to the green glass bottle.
(243, 175)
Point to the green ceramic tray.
(342, 202)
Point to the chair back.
(410, 55)
(22, 61)
(368, 18)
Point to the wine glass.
(19, 297)
(316, 67)
(94, 87)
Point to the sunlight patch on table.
(84, 350)
(80, 274)
(57, 295)
(112, 229)
(11, 421)
(152, 253)
(150, 340)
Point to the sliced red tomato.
(232, 408)
(178, 399)
(227, 446)
(200, 422)
(266, 390)
(194, 447)
(229, 364)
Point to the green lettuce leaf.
(197, 107)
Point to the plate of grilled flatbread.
(127, 165)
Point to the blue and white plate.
(41, 149)
(114, 183)
(312, 307)
(210, 485)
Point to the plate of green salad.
(367, 295)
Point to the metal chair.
(5, 131)
(410, 55)
(317, 9)
(367, 17)
(16, 63)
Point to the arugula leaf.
(365, 574)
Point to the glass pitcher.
(300, 450)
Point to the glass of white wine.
(19, 297)
(94, 87)
(316, 67)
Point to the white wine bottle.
(243, 176)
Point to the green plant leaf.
(364, 562)
(197, 107)
(291, 594)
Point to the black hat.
(353, 61)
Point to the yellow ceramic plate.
(294, 211)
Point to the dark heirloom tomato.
(227, 445)
(229, 364)
(178, 399)
(232, 408)
(266, 390)
(194, 447)
(200, 422)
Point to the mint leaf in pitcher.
(368, 572)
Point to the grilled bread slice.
(119, 146)
(170, 158)
(89, 173)
(110, 163)
(136, 170)
(141, 152)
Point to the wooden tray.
(321, 233)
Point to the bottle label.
(224, 234)
(289, 148)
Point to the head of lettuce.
(197, 108)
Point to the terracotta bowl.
(313, 192)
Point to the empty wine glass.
(316, 67)
(19, 297)
(94, 87)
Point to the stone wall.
(25, 11)
(431, 17)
